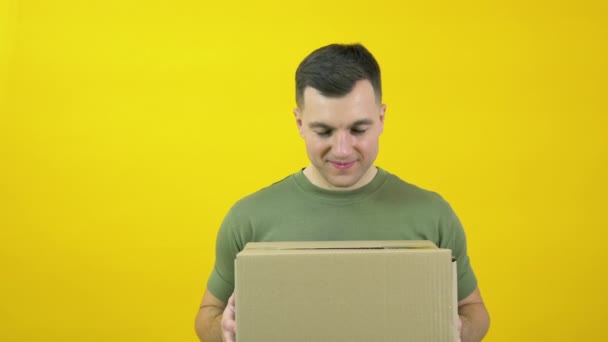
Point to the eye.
(357, 131)
(324, 134)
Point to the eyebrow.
(361, 122)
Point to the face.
(341, 135)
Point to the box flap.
(316, 245)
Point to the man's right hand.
(229, 321)
(216, 320)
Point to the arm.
(474, 317)
(215, 322)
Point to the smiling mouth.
(342, 165)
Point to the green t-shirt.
(294, 209)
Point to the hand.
(459, 329)
(229, 321)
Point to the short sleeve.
(229, 243)
(452, 236)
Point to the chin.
(341, 183)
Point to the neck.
(316, 178)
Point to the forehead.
(360, 103)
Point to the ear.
(382, 114)
(298, 116)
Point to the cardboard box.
(340, 291)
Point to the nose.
(343, 145)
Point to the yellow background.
(128, 128)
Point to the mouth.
(340, 165)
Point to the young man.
(341, 195)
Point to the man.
(341, 195)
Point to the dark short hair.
(334, 69)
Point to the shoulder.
(267, 196)
(396, 185)
(414, 196)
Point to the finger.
(231, 303)
(229, 330)
(459, 325)
(229, 337)
(229, 319)
(229, 314)
(230, 327)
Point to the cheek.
(311, 143)
(317, 146)
(369, 145)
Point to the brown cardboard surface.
(345, 291)
(340, 244)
